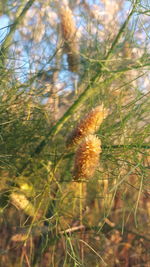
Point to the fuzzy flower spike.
(69, 34)
(88, 125)
(87, 157)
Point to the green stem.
(125, 69)
(110, 52)
(126, 146)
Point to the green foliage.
(49, 219)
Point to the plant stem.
(13, 27)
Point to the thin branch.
(13, 27)
(132, 67)
(110, 52)
(108, 227)
(145, 146)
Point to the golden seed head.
(19, 237)
(21, 202)
(87, 157)
(67, 24)
(88, 125)
(69, 31)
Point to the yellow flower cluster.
(87, 157)
(87, 154)
(20, 201)
(88, 125)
